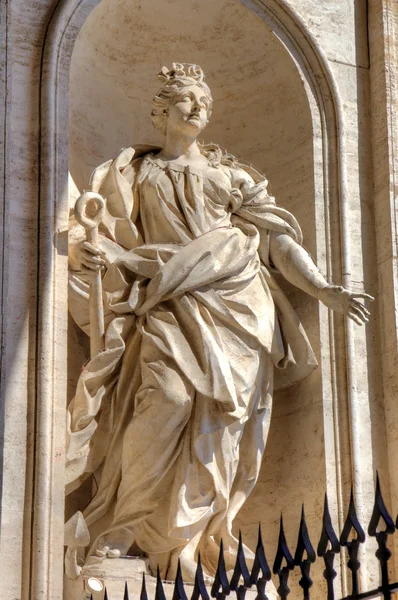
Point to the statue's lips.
(194, 118)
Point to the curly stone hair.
(174, 80)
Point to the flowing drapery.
(175, 411)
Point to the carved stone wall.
(340, 60)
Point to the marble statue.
(173, 257)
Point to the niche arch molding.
(331, 173)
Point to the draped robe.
(174, 413)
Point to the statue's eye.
(186, 97)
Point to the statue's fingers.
(362, 295)
(355, 318)
(91, 266)
(97, 260)
(90, 248)
(91, 259)
(358, 310)
(359, 304)
(359, 313)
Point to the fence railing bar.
(375, 593)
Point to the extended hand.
(341, 300)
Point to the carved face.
(188, 114)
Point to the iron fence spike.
(328, 534)
(283, 572)
(106, 594)
(126, 592)
(260, 562)
(352, 522)
(303, 542)
(304, 546)
(179, 591)
(282, 551)
(221, 579)
(143, 594)
(380, 512)
(383, 553)
(159, 592)
(260, 565)
(199, 589)
(240, 569)
(352, 546)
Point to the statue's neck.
(181, 148)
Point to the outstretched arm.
(298, 268)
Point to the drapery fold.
(202, 299)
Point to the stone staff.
(89, 212)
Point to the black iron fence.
(352, 536)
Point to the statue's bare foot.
(111, 547)
(102, 551)
(107, 552)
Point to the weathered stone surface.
(351, 401)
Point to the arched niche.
(273, 107)
(262, 114)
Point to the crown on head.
(181, 71)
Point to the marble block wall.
(303, 90)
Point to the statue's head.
(184, 100)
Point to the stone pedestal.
(113, 574)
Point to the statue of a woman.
(172, 416)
